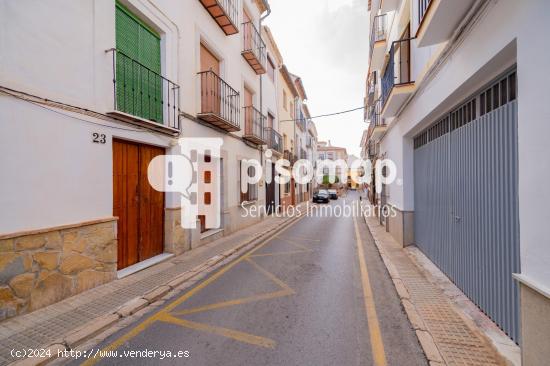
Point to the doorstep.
(450, 328)
(69, 323)
(143, 265)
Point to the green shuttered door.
(139, 85)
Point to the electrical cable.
(323, 115)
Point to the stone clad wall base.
(177, 240)
(43, 267)
(401, 226)
(535, 326)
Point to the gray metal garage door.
(466, 199)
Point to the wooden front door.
(139, 208)
(210, 84)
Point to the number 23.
(99, 138)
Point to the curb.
(424, 337)
(99, 324)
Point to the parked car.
(333, 194)
(321, 196)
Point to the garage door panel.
(466, 204)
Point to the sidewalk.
(449, 334)
(70, 322)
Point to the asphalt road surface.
(316, 294)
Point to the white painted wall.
(56, 50)
(492, 46)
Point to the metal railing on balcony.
(254, 122)
(309, 141)
(224, 12)
(423, 6)
(375, 114)
(254, 49)
(371, 87)
(288, 155)
(144, 93)
(274, 139)
(219, 102)
(378, 30)
(398, 70)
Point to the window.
(138, 54)
(252, 193)
(270, 120)
(270, 69)
(284, 101)
(291, 110)
(207, 177)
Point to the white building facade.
(90, 94)
(453, 98)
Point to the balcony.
(254, 122)
(377, 125)
(438, 19)
(219, 102)
(254, 50)
(397, 83)
(378, 41)
(302, 124)
(274, 140)
(224, 12)
(288, 155)
(371, 150)
(371, 87)
(141, 95)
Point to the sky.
(325, 42)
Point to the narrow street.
(301, 298)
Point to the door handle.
(458, 218)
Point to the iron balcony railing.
(225, 13)
(254, 48)
(371, 89)
(274, 139)
(378, 30)
(423, 6)
(309, 141)
(288, 155)
(219, 99)
(144, 93)
(254, 122)
(375, 115)
(398, 70)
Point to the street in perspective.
(257, 182)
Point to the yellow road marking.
(229, 333)
(376, 342)
(266, 273)
(286, 291)
(243, 300)
(295, 244)
(158, 316)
